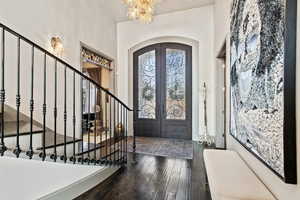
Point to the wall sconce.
(57, 45)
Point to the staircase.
(41, 115)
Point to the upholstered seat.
(231, 179)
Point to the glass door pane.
(175, 84)
(147, 85)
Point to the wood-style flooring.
(156, 178)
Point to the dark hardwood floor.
(156, 178)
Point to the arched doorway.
(163, 91)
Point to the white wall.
(74, 22)
(222, 15)
(221, 12)
(194, 26)
(281, 190)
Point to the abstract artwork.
(261, 63)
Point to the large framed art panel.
(263, 74)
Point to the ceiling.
(119, 10)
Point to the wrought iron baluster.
(114, 129)
(126, 134)
(30, 152)
(73, 158)
(118, 132)
(101, 160)
(134, 144)
(43, 154)
(55, 112)
(88, 123)
(17, 151)
(105, 114)
(83, 125)
(122, 132)
(110, 130)
(54, 155)
(95, 127)
(64, 157)
(124, 138)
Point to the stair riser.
(103, 155)
(60, 150)
(10, 143)
(92, 154)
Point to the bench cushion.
(230, 178)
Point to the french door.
(163, 91)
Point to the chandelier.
(140, 9)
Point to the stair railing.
(98, 144)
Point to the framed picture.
(263, 81)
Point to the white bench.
(230, 178)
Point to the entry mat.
(173, 148)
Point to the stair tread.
(85, 148)
(111, 150)
(10, 114)
(10, 128)
(59, 139)
(69, 141)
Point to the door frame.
(160, 122)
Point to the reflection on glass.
(175, 80)
(146, 85)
